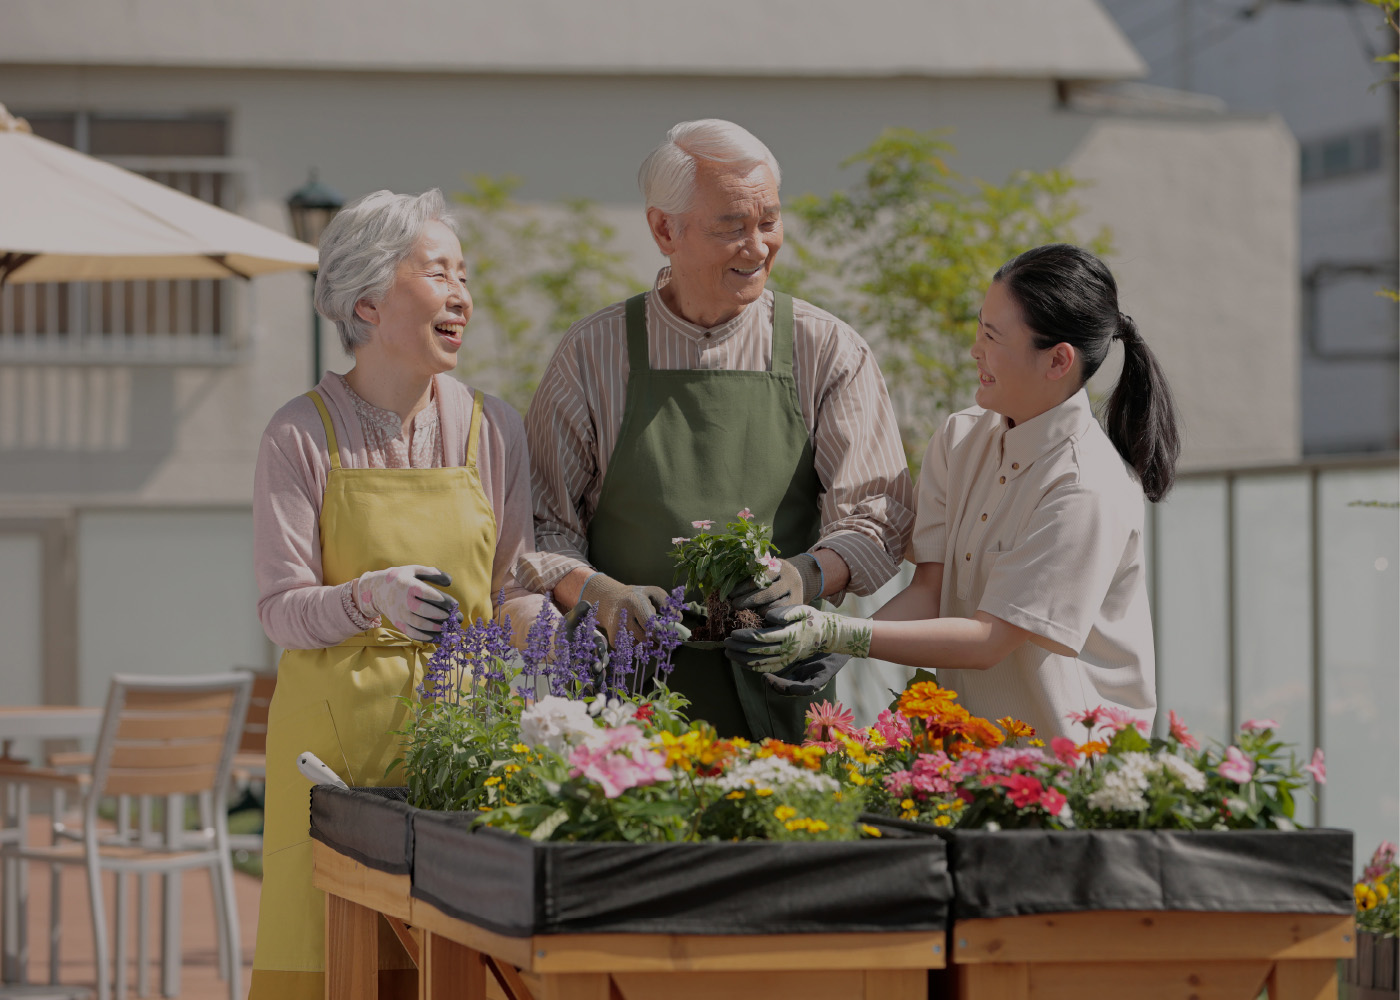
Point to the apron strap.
(638, 359)
(331, 444)
(781, 362)
(474, 431)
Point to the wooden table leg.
(352, 950)
(450, 971)
(1309, 979)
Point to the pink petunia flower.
(1052, 801)
(678, 539)
(772, 564)
(702, 525)
(1258, 725)
(1236, 766)
(892, 727)
(1181, 734)
(746, 514)
(1022, 789)
(1115, 719)
(1318, 767)
(620, 760)
(1065, 751)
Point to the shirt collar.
(713, 334)
(1026, 442)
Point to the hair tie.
(1126, 328)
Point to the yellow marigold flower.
(945, 806)
(817, 825)
(1015, 727)
(875, 738)
(784, 812)
(808, 757)
(909, 814)
(735, 795)
(495, 779)
(1365, 896)
(519, 748)
(511, 768)
(485, 809)
(907, 804)
(942, 821)
(739, 743)
(837, 796)
(1382, 890)
(763, 793)
(859, 779)
(1037, 743)
(870, 831)
(507, 802)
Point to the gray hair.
(667, 176)
(361, 250)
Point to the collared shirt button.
(1015, 465)
(984, 517)
(968, 557)
(1003, 480)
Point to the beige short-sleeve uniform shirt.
(1040, 525)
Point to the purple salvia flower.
(621, 665)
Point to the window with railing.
(161, 322)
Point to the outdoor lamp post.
(312, 206)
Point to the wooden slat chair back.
(161, 738)
(259, 701)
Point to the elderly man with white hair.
(383, 499)
(706, 395)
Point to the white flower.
(1123, 787)
(1190, 778)
(774, 772)
(615, 712)
(555, 724)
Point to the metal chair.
(161, 738)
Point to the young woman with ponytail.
(1029, 593)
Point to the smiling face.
(1016, 378)
(722, 248)
(418, 324)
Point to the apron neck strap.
(474, 431)
(638, 357)
(331, 444)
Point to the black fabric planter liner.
(372, 825)
(1007, 873)
(515, 886)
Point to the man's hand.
(611, 598)
(796, 633)
(798, 582)
(806, 677)
(401, 595)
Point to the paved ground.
(199, 973)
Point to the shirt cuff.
(928, 546)
(1046, 634)
(870, 565)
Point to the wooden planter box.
(1371, 975)
(479, 908)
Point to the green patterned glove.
(796, 633)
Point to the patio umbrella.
(66, 216)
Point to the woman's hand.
(401, 594)
(797, 633)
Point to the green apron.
(703, 445)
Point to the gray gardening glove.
(798, 581)
(806, 677)
(611, 598)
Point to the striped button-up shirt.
(574, 419)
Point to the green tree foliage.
(533, 271)
(906, 254)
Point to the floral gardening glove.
(401, 595)
(796, 633)
(799, 579)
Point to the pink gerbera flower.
(1090, 717)
(1115, 719)
(1236, 766)
(826, 718)
(1318, 767)
(1065, 751)
(1181, 734)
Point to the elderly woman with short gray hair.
(384, 499)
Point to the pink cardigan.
(296, 611)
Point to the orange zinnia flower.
(926, 700)
(1015, 727)
(983, 732)
(1093, 747)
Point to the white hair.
(361, 250)
(667, 176)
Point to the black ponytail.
(1067, 295)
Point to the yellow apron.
(342, 703)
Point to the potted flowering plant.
(715, 561)
(1371, 975)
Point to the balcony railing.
(134, 322)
